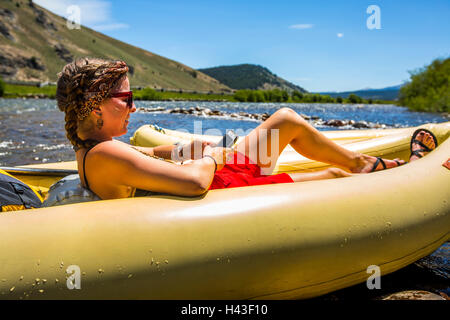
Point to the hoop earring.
(99, 124)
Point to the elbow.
(201, 184)
(198, 181)
(195, 189)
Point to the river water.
(32, 131)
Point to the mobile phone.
(228, 140)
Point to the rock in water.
(414, 295)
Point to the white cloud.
(301, 26)
(95, 14)
(340, 35)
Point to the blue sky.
(319, 45)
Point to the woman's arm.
(193, 150)
(124, 166)
(164, 151)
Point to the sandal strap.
(375, 165)
(422, 145)
(417, 153)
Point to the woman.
(96, 98)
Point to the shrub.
(339, 100)
(276, 95)
(240, 96)
(259, 96)
(149, 94)
(297, 96)
(353, 98)
(2, 88)
(428, 89)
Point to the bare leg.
(330, 173)
(306, 140)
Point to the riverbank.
(147, 94)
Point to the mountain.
(35, 44)
(249, 76)
(388, 93)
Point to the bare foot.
(427, 140)
(368, 164)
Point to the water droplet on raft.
(101, 270)
(41, 291)
(166, 261)
(388, 224)
(37, 280)
(56, 280)
(12, 289)
(21, 278)
(130, 275)
(44, 281)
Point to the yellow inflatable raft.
(283, 241)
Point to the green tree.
(276, 95)
(428, 89)
(259, 96)
(316, 97)
(2, 88)
(240, 96)
(297, 96)
(353, 98)
(149, 94)
(339, 100)
(251, 96)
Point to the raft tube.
(280, 241)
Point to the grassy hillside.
(249, 76)
(35, 44)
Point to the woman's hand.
(219, 154)
(197, 148)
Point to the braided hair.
(82, 86)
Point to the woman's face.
(116, 113)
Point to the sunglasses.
(128, 94)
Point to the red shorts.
(242, 172)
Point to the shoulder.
(112, 149)
(107, 155)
